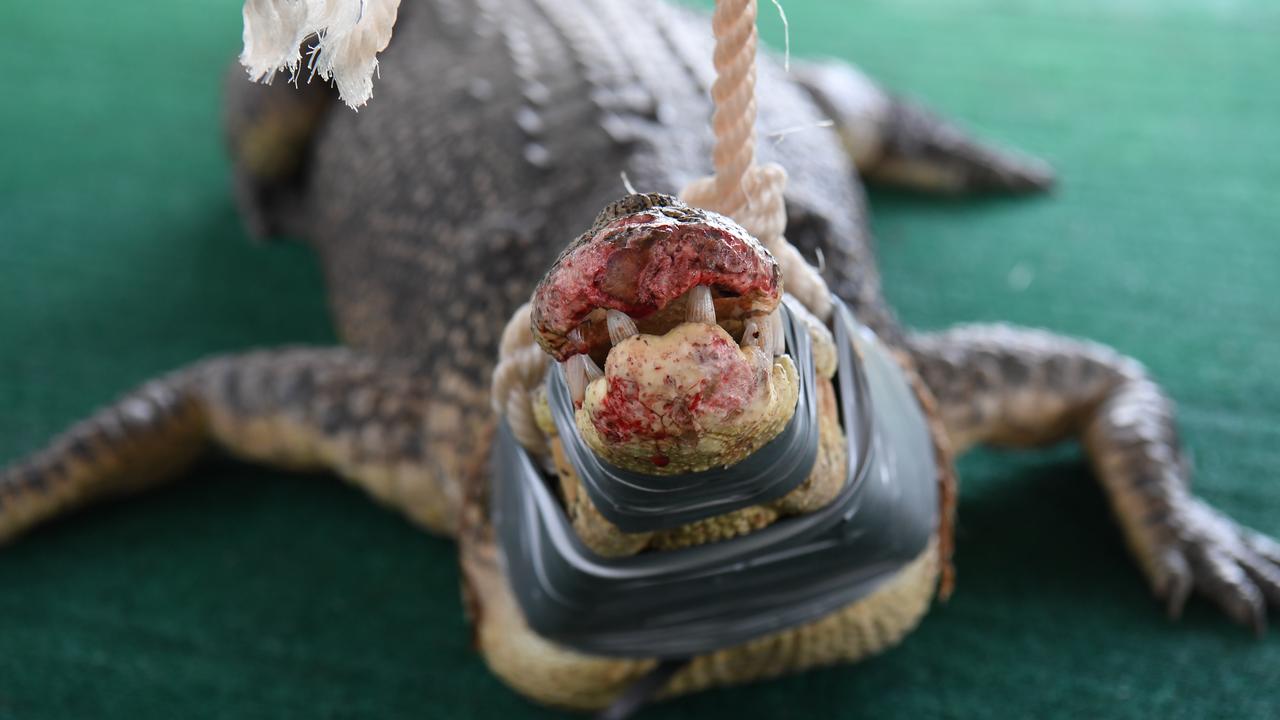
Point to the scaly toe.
(1177, 584)
(1221, 578)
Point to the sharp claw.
(1245, 608)
(1178, 584)
(1254, 616)
(1263, 574)
(701, 308)
(1223, 580)
(1263, 545)
(621, 326)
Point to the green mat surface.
(246, 593)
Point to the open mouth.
(646, 258)
(666, 321)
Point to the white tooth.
(700, 308)
(764, 333)
(754, 333)
(776, 332)
(590, 368)
(768, 343)
(579, 371)
(575, 378)
(621, 326)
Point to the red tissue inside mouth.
(640, 263)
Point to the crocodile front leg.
(404, 436)
(1017, 387)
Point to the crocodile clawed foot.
(1237, 568)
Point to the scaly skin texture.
(370, 419)
(499, 130)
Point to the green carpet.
(246, 593)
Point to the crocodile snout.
(681, 308)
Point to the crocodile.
(498, 132)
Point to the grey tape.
(699, 599)
(636, 502)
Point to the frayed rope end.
(348, 34)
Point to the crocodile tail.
(270, 131)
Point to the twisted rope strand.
(753, 195)
(521, 367)
(734, 94)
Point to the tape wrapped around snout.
(636, 502)
(699, 599)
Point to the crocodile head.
(680, 307)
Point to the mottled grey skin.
(497, 131)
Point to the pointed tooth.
(700, 308)
(590, 368)
(575, 338)
(768, 342)
(621, 326)
(579, 371)
(777, 333)
(764, 333)
(575, 377)
(754, 333)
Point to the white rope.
(521, 367)
(753, 195)
(348, 34)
